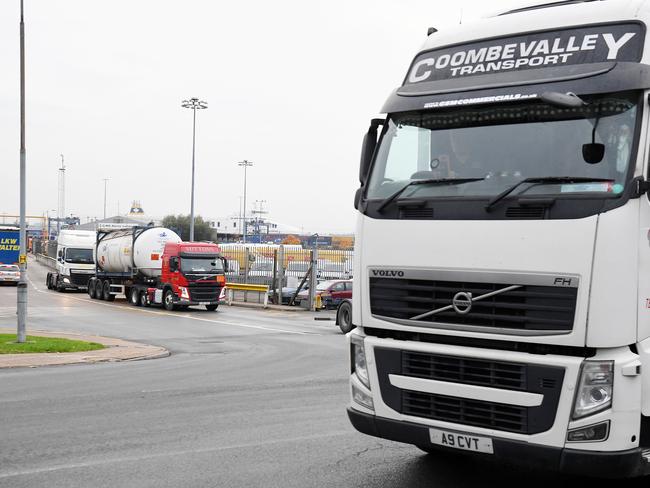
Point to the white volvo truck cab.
(513, 161)
(75, 262)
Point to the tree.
(181, 225)
(291, 240)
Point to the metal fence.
(285, 266)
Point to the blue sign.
(9, 246)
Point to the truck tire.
(168, 301)
(58, 285)
(344, 317)
(134, 296)
(91, 288)
(106, 291)
(212, 308)
(48, 281)
(144, 299)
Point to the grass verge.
(8, 345)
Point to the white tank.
(117, 253)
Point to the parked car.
(332, 292)
(287, 293)
(9, 273)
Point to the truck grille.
(79, 279)
(533, 378)
(468, 371)
(204, 293)
(477, 413)
(525, 308)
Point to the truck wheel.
(344, 317)
(212, 308)
(168, 300)
(59, 285)
(48, 281)
(134, 296)
(106, 292)
(144, 300)
(91, 288)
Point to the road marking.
(191, 317)
(104, 462)
(35, 287)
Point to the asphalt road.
(248, 398)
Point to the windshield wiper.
(542, 181)
(430, 181)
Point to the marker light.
(595, 389)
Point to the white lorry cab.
(514, 161)
(75, 262)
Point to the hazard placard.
(22, 259)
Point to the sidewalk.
(116, 350)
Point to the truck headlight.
(66, 280)
(595, 389)
(359, 364)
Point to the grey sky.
(291, 86)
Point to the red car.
(332, 292)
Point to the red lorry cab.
(194, 272)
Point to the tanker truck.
(151, 265)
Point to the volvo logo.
(462, 302)
(388, 273)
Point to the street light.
(195, 104)
(245, 164)
(21, 293)
(105, 183)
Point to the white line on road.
(104, 462)
(191, 317)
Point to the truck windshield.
(201, 265)
(502, 145)
(79, 256)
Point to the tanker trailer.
(151, 265)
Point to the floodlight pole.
(21, 305)
(194, 104)
(245, 164)
(105, 184)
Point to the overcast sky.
(291, 86)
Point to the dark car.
(287, 294)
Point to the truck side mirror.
(173, 264)
(225, 265)
(368, 149)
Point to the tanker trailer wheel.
(134, 296)
(144, 300)
(106, 291)
(91, 288)
(168, 300)
(48, 281)
(212, 308)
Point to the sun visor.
(620, 77)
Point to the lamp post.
(105, 184)
(194, 104)
(21, 293)
(245, 165)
